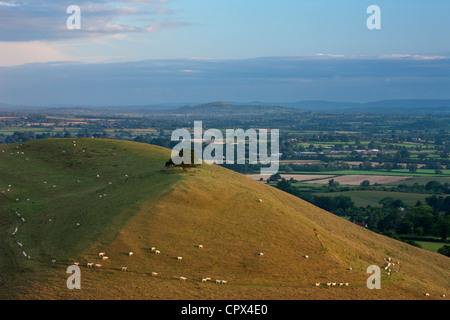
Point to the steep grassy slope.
(212, 206)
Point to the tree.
(442, 227)
(288, 168)
(365, 183)
(445, 250)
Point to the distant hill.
(224, 108)
(382, 106)
(79, 199)
(411, 106)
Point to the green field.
(365, 198)
(431, 246)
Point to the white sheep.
(101, 254)
(153, 248)
(183, 278)
(124, 268)
(98, 265)
(105, 258)
(53, 261)
(427, 294)
(200, 246)
(317, 284)
(130, 254)
(154, 274)
(179, 258)
(306, 257)
(157, 252)
(260, 254)
(90, 264)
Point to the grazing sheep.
(153, 248)
(124, 268)
(204, 280)
(350, 269)
(200, 246)
(105, 258)
(157, 252)
(259, 200)
(341, 284)
(53, 261)
(218, 281)
(346, 284)
(183, 278)
(306, 257)
(179, 258)
(208, 279)
(260, 254)
(328, 284)
(90, 264)
(101, 254)
(130, 254)
(427, 294)
(317, 284)
(154, 274)
(333, 284)
(443, 296)
(98, 265)
(224, 281)
(76, 263)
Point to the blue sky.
(125, 31)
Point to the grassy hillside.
(212, 206)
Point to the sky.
(154, 51)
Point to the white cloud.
(7, 4)
(18, 53)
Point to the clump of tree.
(185, 165)
(445, 250)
